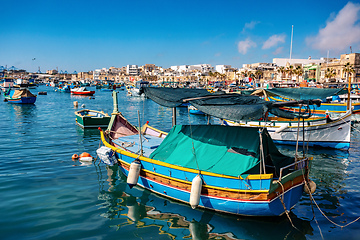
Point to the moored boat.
(136, 89)
(82, 91)
(86, 118)
(20, 96)
(64, 88)
(328, 132)
(236, 170)
(327, 106)
(195, 111)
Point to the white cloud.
(244, 46)
(340, 33)
(250, 25)
(278, 50)
(273, 41)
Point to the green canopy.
(232, 151)
(306, 93)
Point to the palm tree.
(298, 71)
(330, 73)
(290, 71)
(281, 70)
(237, 80)
(348, 69)
(245, 73)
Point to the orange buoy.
(85, 157)
(75, 156)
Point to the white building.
(133, 70)
(202, 68)
(96, 74)
(222, 68)
(283, 62)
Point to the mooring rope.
(338, 225)
(282, 197)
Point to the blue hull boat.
(21, 96)
(236, 170)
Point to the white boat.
(330, 132)
(136, 90)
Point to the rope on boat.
(282, 197)
(354, 128)
(192, 142)
(97, 155)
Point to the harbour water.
(47, 195)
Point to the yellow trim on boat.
(152, 128)
(207, 186)
(157, 162)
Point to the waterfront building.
(52, 72)
(311, 72)
(283, 62)
(84, 75)
(222, 68)
(132, 70)
(337, 66)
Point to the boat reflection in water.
(150, 212)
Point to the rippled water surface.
(47, 195)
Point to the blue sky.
(78, 35)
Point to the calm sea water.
(47, 195)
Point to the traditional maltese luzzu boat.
(236, 170)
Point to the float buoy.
(75, 156)
(86, 157)
(282, 128)
(83, 106)
(134, 173)
(310, 187)
(195, 193)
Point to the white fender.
(134, 173)
(282, 128)
(195, 194)
(310, 184)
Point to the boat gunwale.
(83, 110)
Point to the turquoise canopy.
(232, 151)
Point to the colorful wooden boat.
(20, 96)
(86, 118)
(236, 170)
(82, 91)
(64, 88)
(135, 90)
(195, 111)
(329, 132)
(325, 107)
